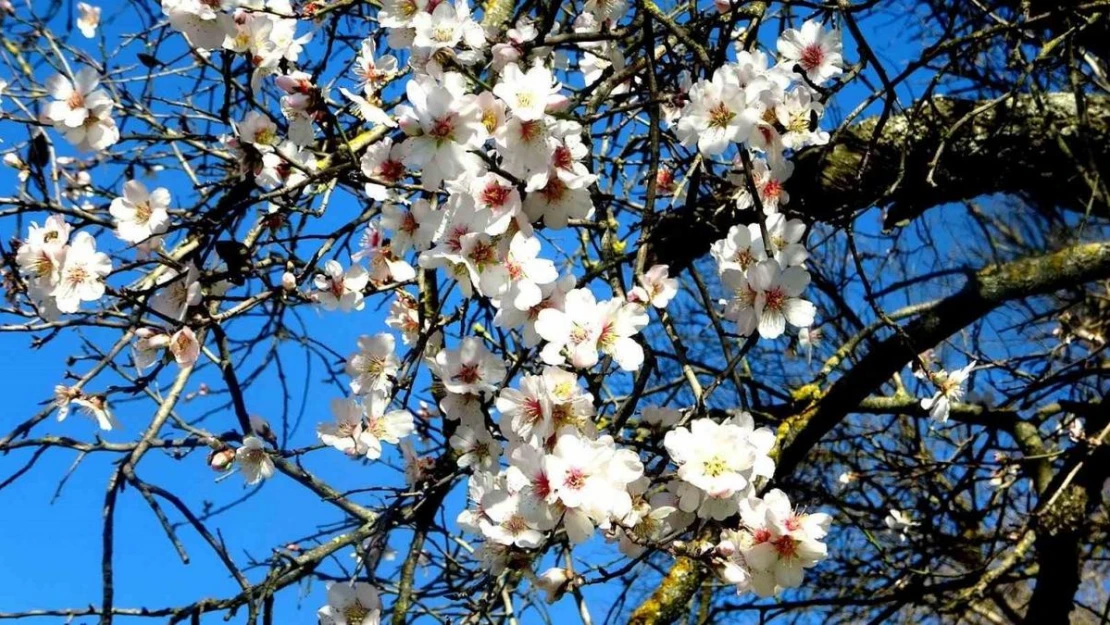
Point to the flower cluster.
(773, 546)
(264, 32)
(360, 427)
(61, 273)
(765, 279)
(81, 110)
(767, 110)
(469, 176)
(719, 463)
(561, 474)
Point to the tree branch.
(1023, 146)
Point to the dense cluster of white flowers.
(491, 167)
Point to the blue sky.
(52, 551)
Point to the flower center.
(772, 189)
(515, 524)
(43, 265)
(608, 337)
(345, 429)
(563, 159)
(143, 211)
(77, 275)
(354, 613)
(373, 365)
(786, 547)
(443, 33)
(774, 299)
(579, 334)
(377, 427)
(720, 116)
(489, 119)
(554, 191)
(563, 414)
(530, 130)
(407, 9)
(483, 255)
(392, 171)
(468, 374)
(443, 129)
(744, 257)
(541, 486)
(532, 410)
(454, 237)
(812, 57)
(799, 122)
(495, 195)
(715, 466)
(575, 479)
(265, 136)
(409, 224)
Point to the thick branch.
(1027, 146)
(668, 603)
(985, 291)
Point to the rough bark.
(1033, 147)
(668, 603)
(1061, 527)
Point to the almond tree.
(626, 312)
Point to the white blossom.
(140, 214)
(82, 274)
(357, 603)
(254, 461)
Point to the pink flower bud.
(558, 103)
(221, 460)
(409, 126)
(289, 281)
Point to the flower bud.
(557, 104)
(261, 427)
(221, 460)
(555, 582)
(288, 281)
(409, 126)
